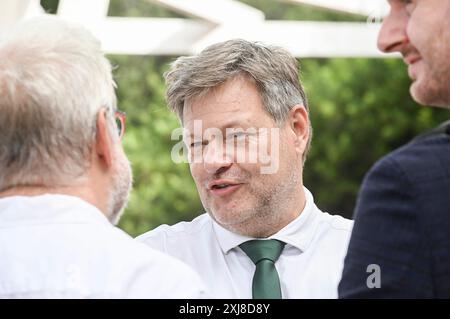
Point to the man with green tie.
(247, 132)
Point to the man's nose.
(216, 159)
(393, 35)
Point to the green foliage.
(50, 6)
(284, 10)
(360, 110)
(139, 8)
(163, 191)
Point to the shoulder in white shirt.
(310, 265)
(56, 246)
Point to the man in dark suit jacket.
(400, 245)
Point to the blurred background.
(359, 102)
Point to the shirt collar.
(48, 208)
(297, 233)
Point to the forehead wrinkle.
(199, 109)
(230, 92)
(226, 106)
(228, 122)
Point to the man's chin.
(413, 90)
(419, 92)
(228, 218)
(223, 218)
(427, 95)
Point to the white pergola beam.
(218, 20)
(305, 39)
(368, 8)
(144, 36)
(186, 37)
(214, 11)
(83, 11)
(12, 11)
(33, 9)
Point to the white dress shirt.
(310, 265)
(57, 246)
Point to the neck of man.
(83, 192)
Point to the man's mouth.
(414, 69)
(223, 188)
(220, 186)
(411, 59)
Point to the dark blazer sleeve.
(402, 224)
(387, 233)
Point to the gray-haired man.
(64, 177)
(247, 130)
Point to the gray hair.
(274, 70)
(54, 79)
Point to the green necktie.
(264, 254)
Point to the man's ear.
(299, 124)
(103, 141)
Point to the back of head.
(53, 80)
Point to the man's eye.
(409, 5)
(238, 135)
(196, 144)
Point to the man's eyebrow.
(232, 124)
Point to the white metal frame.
(212, 21)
